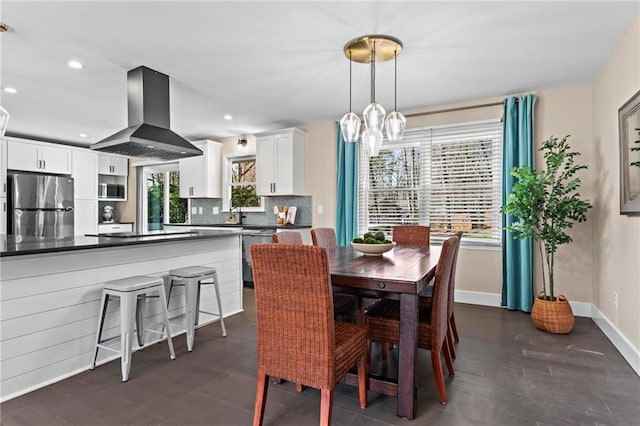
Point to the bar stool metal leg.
(127, 316)
(215, 284)
(104, 301)
(165, 314)
(191, 294)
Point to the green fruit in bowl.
(380, 236)
(369, 235)
(358, 240)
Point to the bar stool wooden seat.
(132, 292)
(191, 278)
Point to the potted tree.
(547, 203)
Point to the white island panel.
(49, 303)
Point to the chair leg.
(385, 351)
(362, 381)
(261, 399)
(447, 357)
(369, 352)
(437, 374)
(449, 343)
(326, 405)
(299, 387)
(454, 329)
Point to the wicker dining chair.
(383, 319)
(413, 235)
(289, 237)
(345, 306)
(298, 339)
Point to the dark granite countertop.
(11, 247)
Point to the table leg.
(408, 355)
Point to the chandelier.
(371, 49)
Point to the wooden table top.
(404, 269)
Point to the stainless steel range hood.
(148, 134)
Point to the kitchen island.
(50, 293)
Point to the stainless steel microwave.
(110, 190)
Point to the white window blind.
(446, 177)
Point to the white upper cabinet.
(200, 176)
(3, 168)
(85, 175)
(38, 157)
(280, 162)
(113, 165)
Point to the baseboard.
(478, 298)
(624, 346)
(580, 309)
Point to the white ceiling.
(280, 64)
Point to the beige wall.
(616, 248)
(560, 112)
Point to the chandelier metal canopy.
(371, 49)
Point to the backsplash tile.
(303, 214)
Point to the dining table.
(400, 274)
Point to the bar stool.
(191, 277)
(132, 308)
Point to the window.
(160, 194)
(446, 177)
(240, 184)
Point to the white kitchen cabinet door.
(265, 164)
(85, 217)
(3, 215)
(200, 176)
(3, 168)
(23, 156)
(38, 157)
(113, 165)
(280, 162)
(85, 174)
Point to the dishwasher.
(250, 237)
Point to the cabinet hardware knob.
(381, 284)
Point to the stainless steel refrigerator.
(40, 206)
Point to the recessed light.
(10, 90)
(228, 117)
(183, 152)
(150, 146)
(83, 135)
(75, 65)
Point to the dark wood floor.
(507, 373)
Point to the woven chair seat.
(383, 322)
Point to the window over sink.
(240, 184)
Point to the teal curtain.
(347, 190)
(517, 255)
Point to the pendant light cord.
(350, 64)
(373, 73)
(395, 77)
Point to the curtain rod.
(462, 108)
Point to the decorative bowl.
(372, 249)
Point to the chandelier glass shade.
(371, 49)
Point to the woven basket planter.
(552, 316)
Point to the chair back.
(452, 280)
(439, 300)
(288, 237)
(294, 309)
(324, 237)
(411, 235)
